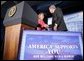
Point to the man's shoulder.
(58, 8)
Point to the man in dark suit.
(58, 23)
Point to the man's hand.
(55, 27)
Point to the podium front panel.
(51, 45)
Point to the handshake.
(42, 27)
(46, 27)
(53, 28)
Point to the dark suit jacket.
(58, 19)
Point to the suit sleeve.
(58, 16)
(60, 20)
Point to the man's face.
(51, 10)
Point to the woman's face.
(41, 16)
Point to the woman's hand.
(38, 28)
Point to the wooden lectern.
(18, 18)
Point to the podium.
(17, 19)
